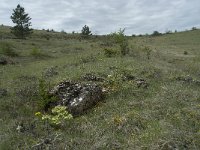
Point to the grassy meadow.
(165, 115)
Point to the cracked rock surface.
(78, 97)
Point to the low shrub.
(7, 49)
(148, 51)
(58, 115)
(45, 98)
(185, 53)
(109, 52)
(118, 79)
(121, 39)
(88, 59)
(156, 33)
(35, 52)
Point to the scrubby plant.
(156, 33)
(35, 52)
(168, 32)
(118, 79)
(122, 40)
(185, 52)
(46, 36)
(112, 82)
(58, 116)
(7, 49)
(118, 120)
(194, 28)
(45, 98)
(63, 32)
(148, 51)
(88, 59)
(109, 52)
(133, 35)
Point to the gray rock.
(142, 83)
(78, 97)
(50, 72)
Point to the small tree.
(122, 40)
(22, 21)
(86, 31)
(156, 33)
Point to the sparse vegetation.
(58, 116)
(148, 51)
(7, 49)
(151, 94)
(37, 53)
(109, 52)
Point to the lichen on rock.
(78, 97)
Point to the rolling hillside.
(163, 113)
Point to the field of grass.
(165, 115)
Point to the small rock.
(50, 72)
(20, 128)
(142, 83)
(188, 79)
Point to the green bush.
(194, 28)
(122, 41)
(109, 52)
(148, 51)
(86, 31)
(45, 98)
(35, 52)
(118, 79)
(185, 53)
(58, 115)
(156, 33)
(88, 59)
(46, 36)
(7, 49)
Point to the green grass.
(163, 116)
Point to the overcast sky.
(106, 16)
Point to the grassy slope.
(164, 116)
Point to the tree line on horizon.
(22, 20)
(22, 28)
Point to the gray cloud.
(105, 16)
